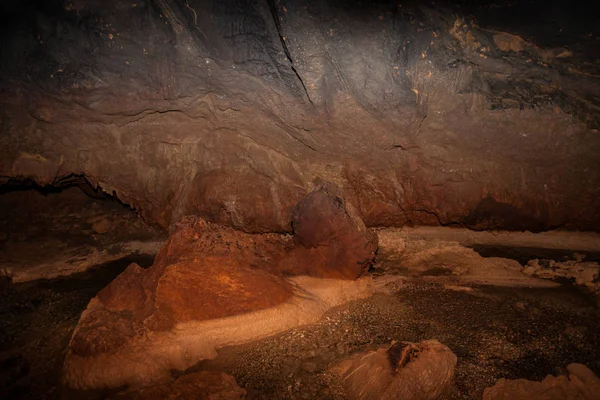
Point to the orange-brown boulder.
(204, 271)
(212, 286)
(331, 239)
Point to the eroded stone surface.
(203, 272)
(423, 371)
(450, 261)
(331, 239)
(583, 273)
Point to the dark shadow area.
(524, 254)
(37, 319)
(66, 228)
(58, 186)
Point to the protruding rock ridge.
(212, 286)
(408, 371)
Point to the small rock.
(529, 270)
(101, 226)
(310, 367)
(587, 275)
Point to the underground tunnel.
(299, 199)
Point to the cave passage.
(292, 199)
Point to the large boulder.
(578, 383)
(212, 286)
(331, 239)
(406, 371)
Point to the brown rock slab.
(203, 272)
(331, 239)
(209, 286)
(205, 385)
(403, 370)
(579, 383)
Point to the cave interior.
(299, 199)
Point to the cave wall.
(234, 110)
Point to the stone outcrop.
(229, 110)
(579, 382)
(212, 286)
(585, 273)
(449, 260)
(423, 371)
(331, 239)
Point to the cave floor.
(495, 332)
(518, 331)
(58, 248)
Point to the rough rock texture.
(423, 371)
(579, 383)
(207, 288)
(230, 109)
(582, 272)
(202, 272)
(447, 259)
(331, 239)
(205, 385)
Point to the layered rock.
(403, 370)
(229, 110)
(212, 286)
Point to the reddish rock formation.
(579, 383)
(206, 272)
(407, 371)
(331, 239)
